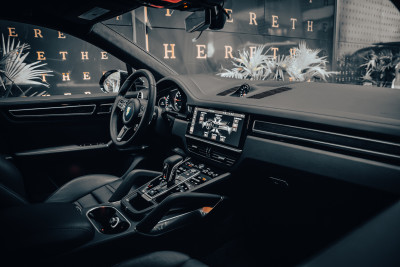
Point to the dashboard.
(286, 126)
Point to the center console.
(183, 175)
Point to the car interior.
(183, 170)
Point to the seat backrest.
(12, 189)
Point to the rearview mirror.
(198, 21)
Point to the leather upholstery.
(162, 259)
(86, 191)
(12, 191)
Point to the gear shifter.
(169, 169)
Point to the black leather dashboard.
(345, 111)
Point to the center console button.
(152, 192)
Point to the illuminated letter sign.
(65, 77)
(11, 32)
(38, 33)
(63, 53)
(40, 55)
(86, 76)
(85, 55)
(104, 55)
(275, 21)
(171, 51)
(253, 17)
(201, 53)
(228, 51)
(61, 35)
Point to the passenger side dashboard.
(352, 150)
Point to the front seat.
(84, 191)
(162, 259)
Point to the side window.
(37, 61)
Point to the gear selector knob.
(169, 168)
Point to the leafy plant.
(303, 65)
(380, 67)
(255, 67)
(14, 71)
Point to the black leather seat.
(162, 259)
(84, 191)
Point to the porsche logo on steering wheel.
(128, 111)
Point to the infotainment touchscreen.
(218, 126)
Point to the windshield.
(350, 41)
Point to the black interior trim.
(63, 149)
(76, 110)
(339, 141)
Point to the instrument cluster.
(172, 99)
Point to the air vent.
(223, 157)
(229, 91)
(213, 152)
(199, 149)
(270, 92)
(328, 140)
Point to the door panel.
(54, 139)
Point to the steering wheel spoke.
(122, 133)
(121, 103)
(143, 106)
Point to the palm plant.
(14, 71)
(380, 67)
(303, 65)
(255, 67)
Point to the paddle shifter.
(169, 169)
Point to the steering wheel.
(134, 115)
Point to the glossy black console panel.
(191, 175)
(108, 220)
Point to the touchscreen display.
(219, 126)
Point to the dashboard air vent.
(198, 149)
(229, 91)
(223, 158)
(213, 152)
(271, 92)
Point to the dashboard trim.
(354, 149)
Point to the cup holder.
(108, 220)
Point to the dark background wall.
(339, 28)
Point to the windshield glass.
(350, 41)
